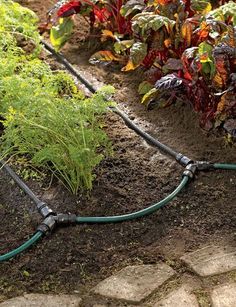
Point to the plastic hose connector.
(190, 170)
(65, 219)
(183, 160)
(204, 165)
(44, 210)
(47, 225)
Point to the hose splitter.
(52, 220)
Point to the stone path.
(209, 279)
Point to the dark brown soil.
(74, 259)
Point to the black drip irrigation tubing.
(53, 219)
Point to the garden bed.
(74, 259)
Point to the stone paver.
(181, 297)
(135, 283)
(41, 300)
(224, 296)
(211, 260)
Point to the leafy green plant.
(20, 22)
(47, 122)
(187, 48)
(64, 136)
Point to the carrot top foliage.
(187, 48)
(48, 124)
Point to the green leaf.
(26, 273)
(122, 46)
(152, 94)
(206, 59)
(201, 6)
(224, 12)
(144, 87)
(60, 34)
(137, 54)
(132, 7)
(144, 22)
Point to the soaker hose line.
(52, 219)
(180, 158)
(35, 238)
(67, 219)
(50, 222)
(42, 207)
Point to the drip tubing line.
(42, 207)
(20, 183)
(52, 219)
(180, 158)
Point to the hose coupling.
(65, 219)
(183, 160)
(190, 170)
(204, 166)
(44, 210)
(47, 225)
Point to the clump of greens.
(186, 47)
(47, 120)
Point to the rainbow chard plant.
(198, 62)
(101, 14)
(186, 47)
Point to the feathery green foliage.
(46, 119)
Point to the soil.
(74, 259)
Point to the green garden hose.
(52, 218)
(224, 166)
(22, 247)
(138, 214)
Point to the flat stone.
(41, 300)
(224, 296)
(181, 297)
(135, 283)
(211, 260)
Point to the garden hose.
(51, 219)
(224, 166)
(49, 223)
(137, 214)
(22, 247)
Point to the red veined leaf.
(102, 15)
(68, 9)
(188, 76)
